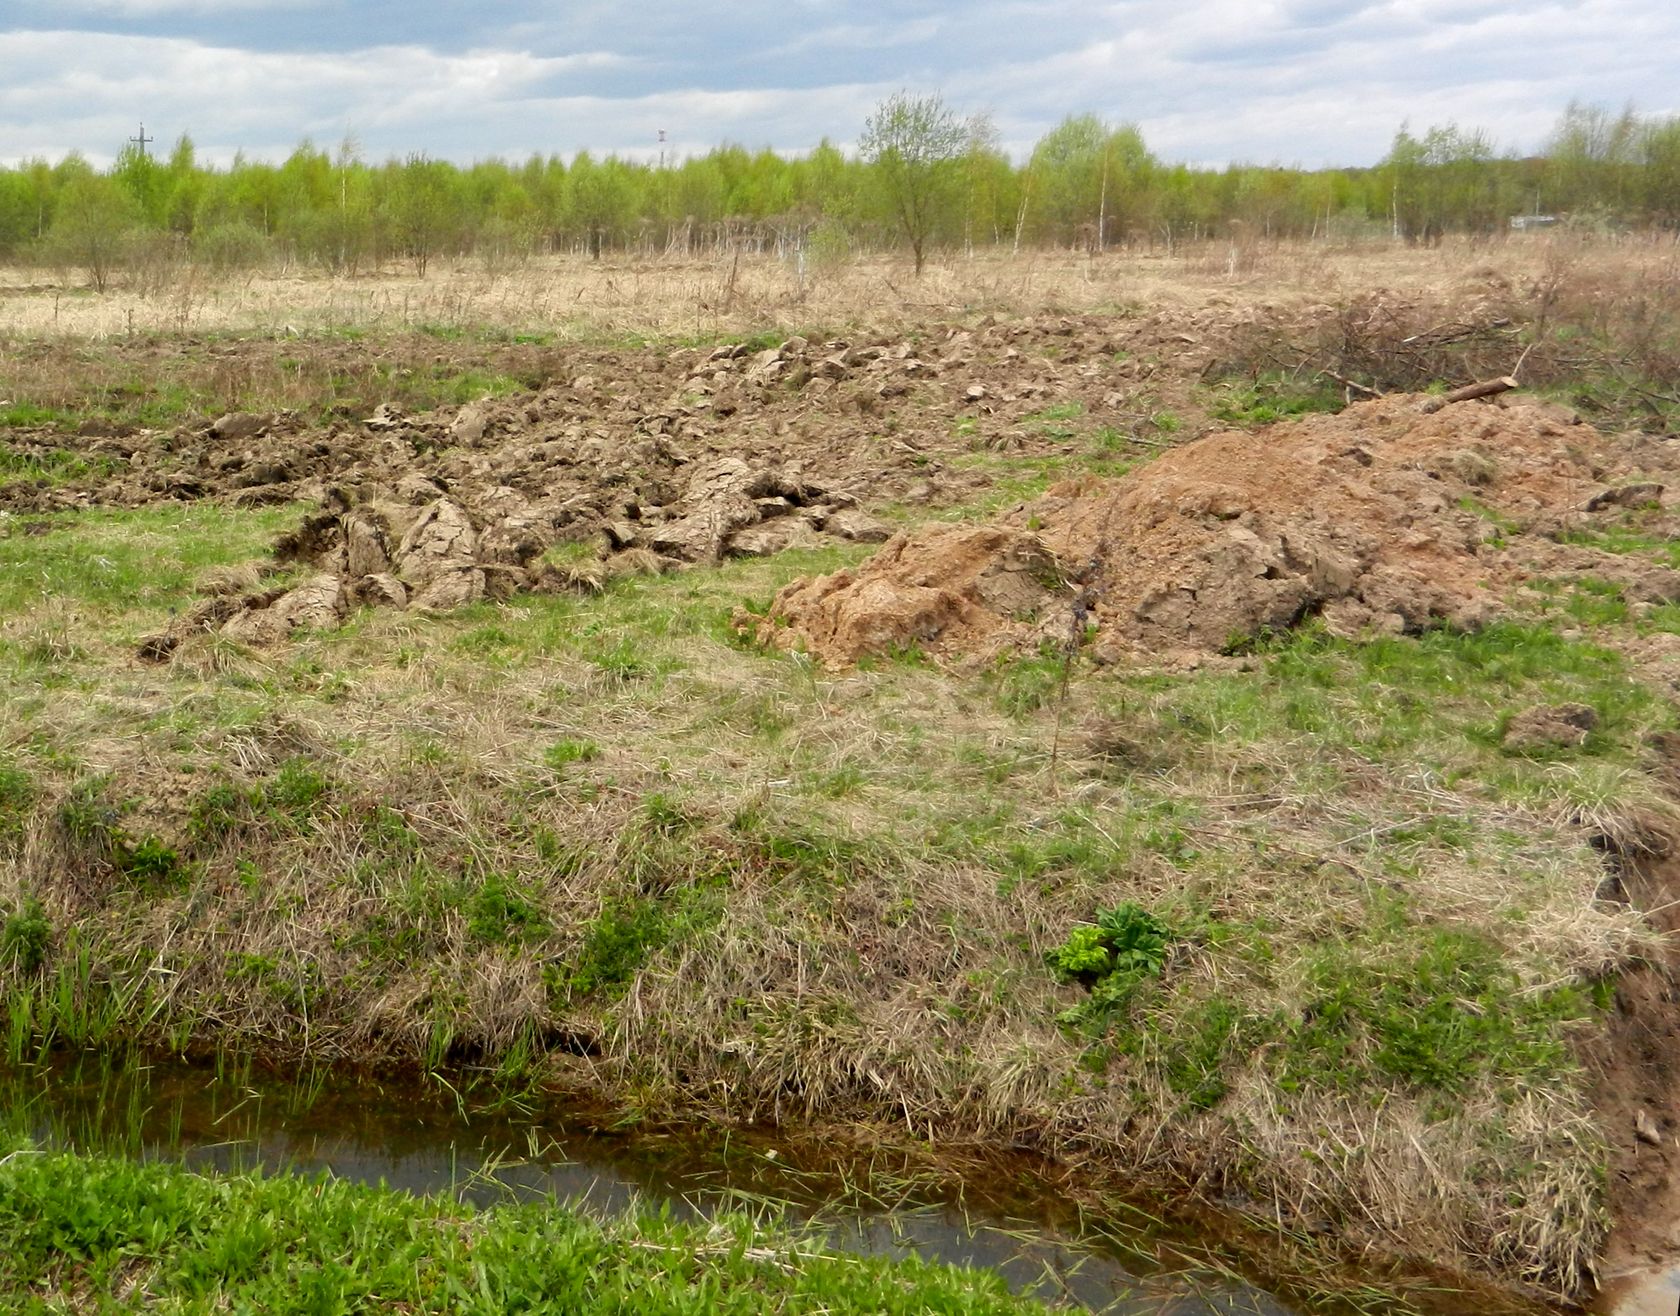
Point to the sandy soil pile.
(1379, 519)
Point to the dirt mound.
(1381, 518)
(871, 411)
(654, 457)
(962, 587)
(417, 547)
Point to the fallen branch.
(1672, 399)
(1517, 369)
(1352, 384)
(1442, 334)
(1485, 389)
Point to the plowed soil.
(654, 458)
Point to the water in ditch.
(414, 1137)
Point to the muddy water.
(416, 1139)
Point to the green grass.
(1432, 1011)
(1627, 538)
(608, 814)
(17, 795)
(1024, 684)
(1052, 421)
(1584, 601)
(501, 910)
(1274, 396)
(444, 386)
(286, 803)
(1017, 479)
(96, 1231)
(1442, 691)
(1083, 448)
(25, 935)
(1395, 997)
(1610, 392)
(625, 935)
(27, 415)
(322, 376)
(49, 466)
(563, 753)
(1500, 525)
(118, 561)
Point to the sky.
(1296, 82)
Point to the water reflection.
(413, 1138)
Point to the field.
(429, 675)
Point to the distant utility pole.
(665, 187)
(142, 141)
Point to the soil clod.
(1559, 726)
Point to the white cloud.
(144, 9)
(1263, 90)
(92, 89)
(1298, 81)
(861, 36)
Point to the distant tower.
(662, 148)
(142, 141)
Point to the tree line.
(922, 176)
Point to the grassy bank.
(83, 1232)
(1200, 925)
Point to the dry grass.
(580, 299)
(1598, 325)
(847, 885)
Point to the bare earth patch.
(1380, 520)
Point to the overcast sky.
(1307, 82)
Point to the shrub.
(231, 247)
(24, 936)
(1126, 948)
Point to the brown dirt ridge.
(652, 457)
(871, 407)
(1379, 519)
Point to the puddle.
(414, 1138)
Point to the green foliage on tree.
(423, 208)
(923, 177)
(913, 144)
(1660, 177)
(1592, 155)
(17, 214)
(184, 187)
(146, 181)
(1445, 180)
(600, 201)
(1089, 181)
(95, 219)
